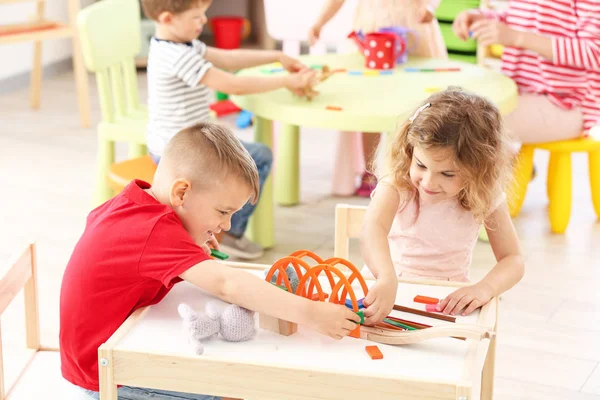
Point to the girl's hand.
(426, 14)
(380, 299)
(463, 21)
(466, 300)
(291, 64)
(313, 34)
(489, 31)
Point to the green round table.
(369, 102)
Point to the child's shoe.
(367, 185)
(240, 247)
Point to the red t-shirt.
(130, 255)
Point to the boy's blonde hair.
(207, 152)
(153, 8)
(472, 128)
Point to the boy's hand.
(291, 64)
(333, 320)
(300, 81)
(464, 20)
(313, 34)
(210, 243)
(466, 300)
(380, 299)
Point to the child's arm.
(232, 60)
(237, 85)
(464, 21)
(376, 252)
(508, 270)
(491, 31)
(580, 51)
(249, 291)
(328, 11)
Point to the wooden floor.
(549, 323)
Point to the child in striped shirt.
(552, 52)
(181, 72)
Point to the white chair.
(41, 377)
(290, 22)
(348, 225)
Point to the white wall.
(16, 58)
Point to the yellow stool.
(559, 183)
(121, 173)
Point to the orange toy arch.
(354, 275)
(314, 273)
(281, 265)
(307, 253)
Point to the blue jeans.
(263, 158)
(134, 393)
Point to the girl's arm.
(376, 252)
(510, 266)
(581, 51)
(328, 11)
(508, 270)
(378, 222)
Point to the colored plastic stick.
(424, 313)
(426, 299)
(217, 254)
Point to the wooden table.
(151, 350)
(368, 104)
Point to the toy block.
(224, 107)
(431, 307)
(374, 352)
(426, 300)
(277, 325)
(315, 296)
(217, 254)
(360, 303)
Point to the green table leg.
(287, 171)
(261, 227)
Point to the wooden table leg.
(108, 388)
(287, 173)
(261, 227)
(487, 375)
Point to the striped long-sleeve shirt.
(572, 78)
(176, 97)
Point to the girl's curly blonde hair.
(472, 127)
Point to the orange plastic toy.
(310, 287)
(426, 300)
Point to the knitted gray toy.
(291, 274)
(234, 323)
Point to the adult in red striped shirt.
(552, 52)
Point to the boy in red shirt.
(136, 246)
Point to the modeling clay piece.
(374, 352)
(333, 108)
(431, 308)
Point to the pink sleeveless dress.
(424, 40)
(435, 240)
